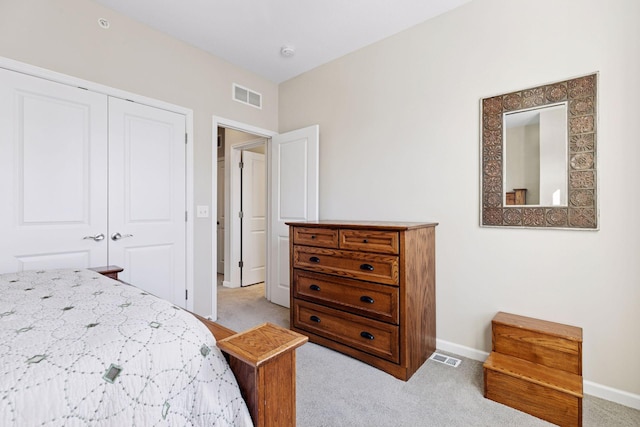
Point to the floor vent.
(247, 96)
(447, 360)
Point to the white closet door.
(147, 227)
(53, 175)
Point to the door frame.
(229, 152)
(57, 77)
(220, 252)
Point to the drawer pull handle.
(365, 241)
(314, 259)
(315, 319)
(366, 299)
(367, 335)
(313, 236)
(314, 287)
(367, 267)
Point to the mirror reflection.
(535, 153)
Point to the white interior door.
(254, 218)
(294, 191)
(220, 217)
(147, 221)
(53, 175)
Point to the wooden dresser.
(366, 289)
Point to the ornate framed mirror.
(538, 164)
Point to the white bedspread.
(78, 348)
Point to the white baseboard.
(228, 284)
(593, 389)
(462, 350)
(618, 396)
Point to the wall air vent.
(247, 96)
(447, 360)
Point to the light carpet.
(336, 390)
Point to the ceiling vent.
(247, 96)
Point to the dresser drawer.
(368, 299)
(371, 336)
(350, 264)
(386, 242)
(323, 237)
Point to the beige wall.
(64, 36)
(399, 129)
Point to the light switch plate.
(202, 211)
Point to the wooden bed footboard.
(263, 360)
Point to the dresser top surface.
(380, 225)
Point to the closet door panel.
(53, 174)
(147, 197)
(148, 174)
(153, 265)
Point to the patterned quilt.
(78, 348)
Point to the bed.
(80, 348)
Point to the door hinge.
(241, 165)
(186, 216)
(240, 214)
(241, 264)
(186, 138)
(186, 294)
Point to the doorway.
(234, 139)
(292, 160)
(242, 210)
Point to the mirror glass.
(539, 157)
(535, 156)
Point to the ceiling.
(251, 33)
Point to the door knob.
(96, 238)
(117, 236)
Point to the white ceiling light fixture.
(287, 51)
